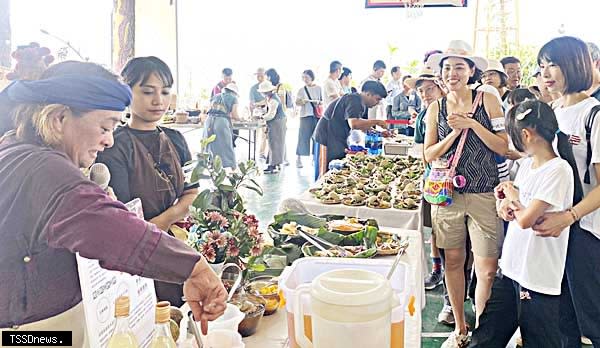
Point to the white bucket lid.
(351, 287)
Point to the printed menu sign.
(99, 290)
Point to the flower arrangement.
(209, 235)
(221, 228)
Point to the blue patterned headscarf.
(77, 91)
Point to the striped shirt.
(477, 162)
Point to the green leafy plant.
(224, 201)
(225, 196)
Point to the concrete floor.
(291, 182)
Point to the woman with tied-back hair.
(146, 160)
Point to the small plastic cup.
(224, 339)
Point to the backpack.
(589, 122)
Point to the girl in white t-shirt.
(528, 292)
(567, 69)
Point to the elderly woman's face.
(86, 135)
(491, 78)
(429, 92)
(151, 100)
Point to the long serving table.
(272, 331)
(395, 218)
(184, 128)
(251, 127)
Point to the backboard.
(425, 3)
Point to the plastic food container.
(224, 339)
(229, 320)
(304, 270)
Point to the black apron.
(158, 184)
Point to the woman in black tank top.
(472, 213)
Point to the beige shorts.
(473, 215)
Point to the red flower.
(209, 253)
(250, 220)
(221, 241)
(253, 232)
(214, 236)
(214, 216)
(233, 250)
(256, 250)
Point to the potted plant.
(222, 230)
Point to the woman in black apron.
(146, 160)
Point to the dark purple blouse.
(49, 211)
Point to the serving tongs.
(404, 243)
(314, 240)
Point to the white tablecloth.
(272, 330)
(406, 219)
(394, 218)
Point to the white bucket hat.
(494, 65)
(233, 87)
(265, 87)
(459, 49)
(426, 74)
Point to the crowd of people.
(521, 238)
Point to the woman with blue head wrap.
(50, 211)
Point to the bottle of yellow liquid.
(122, 337)
(162, 332)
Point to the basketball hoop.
(414, 8)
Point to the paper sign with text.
(100, 289)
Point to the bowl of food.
(253, 308)
(267, 288)
(228, 279)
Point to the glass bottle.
(162, 332)
(122, 336)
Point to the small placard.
(100, 289)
